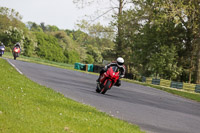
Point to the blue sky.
(62, 13)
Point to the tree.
(52, 28)
(13, 35)
(151, 48)
(29, 46)
(34, 27)
(72, 56)
(120, 5)
(95, 53)
(164, 65)
(186, 13)
(48, 48)
(42, 25)
(89, 59)
(96, 30)
(98, 34)
(9, 17)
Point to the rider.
(120, 64)
(2, 45)
(17, 45)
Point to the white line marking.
(14, 67)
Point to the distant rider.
(2, 45)
(120, 64)
(17, 45)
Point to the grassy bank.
(40, 61)
(27, 107)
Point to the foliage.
(34, 27)
(89, 59)
(12, 30)
(156, 38)
(164, 63)
(48, 48)
(29, 45)
(93, 51)
(9, 17)
(185, 14)
(52, 28)
(12, 35)
(72, 56)
(98, 40)
(96, 30)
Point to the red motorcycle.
(107, 80)
(16, 52)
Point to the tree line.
(157, 38)
(51, 43)
(161, 38)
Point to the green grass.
(40, 61)
(27, 107)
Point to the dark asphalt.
(153, 110)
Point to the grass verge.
(27, 107)
(40, 61)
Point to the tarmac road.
(153, 110)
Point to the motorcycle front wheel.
(98, 88)
(15, 55)
(107, 86)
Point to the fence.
(173, 84)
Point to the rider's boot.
(98, 79)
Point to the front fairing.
(17, 50)
(2, 48)
(112, 73)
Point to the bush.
(89, 59)
(48, 48)
(72, 56)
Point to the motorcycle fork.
(110, 84)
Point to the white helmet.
(120, 61)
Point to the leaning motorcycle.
(107, 80)
(16, 52)
(2, 49)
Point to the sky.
(62, 13)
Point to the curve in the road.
(153, 110)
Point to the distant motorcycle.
(107, 80)
(16, 52)
(2, 49)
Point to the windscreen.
(115, 68)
